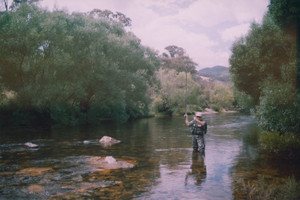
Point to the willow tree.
(263, 65)
(72, 69)
(286, 14)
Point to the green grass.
(262, 189)
(284, 145)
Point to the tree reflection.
(198, 169)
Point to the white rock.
(106, 140)
(86, 142)
(110, 159)
(31, 145)
(109, 162)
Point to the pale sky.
(206, 29)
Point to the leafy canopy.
(176, 58)
(73, 68)
(263, 65)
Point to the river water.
(158, 151)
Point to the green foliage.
(63, 113)
(263, 65)
(73, 68)
(278, 109)
(221, 96)
(170, 98)
(177, 59)
(265, 189)
(286, 13)
(287, 145)
(259, 56)
(115, 17)
(243, 101)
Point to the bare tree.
(4, 3)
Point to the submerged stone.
(35, 188)
(107, 141)
(34, 171)
(108, 162)
(110, 159)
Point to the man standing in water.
(198, 130)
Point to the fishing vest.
(196, 130)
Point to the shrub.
(221, 97)
(279, 144)
(278, 110)
(243, 101)
(170, 99)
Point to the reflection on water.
(157, 155)
(198, 169)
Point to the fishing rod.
(185, 90)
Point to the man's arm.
(199, 122)
(186, 119)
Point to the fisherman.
(198, 130)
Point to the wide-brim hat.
(198, 114)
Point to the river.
(159, 151)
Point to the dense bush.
(244, 102)
(170, 99)
(221, 97)
(278, 109)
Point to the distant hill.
(219, 73)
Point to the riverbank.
(207, 111)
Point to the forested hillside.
(219, 73)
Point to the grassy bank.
(286, 146)
(263, 188)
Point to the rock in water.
(110, 159)
(31, 145)
(109, 162)
(86, 142)
(106, 140)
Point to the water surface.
(165, 166)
